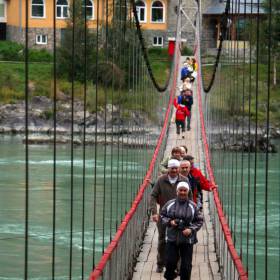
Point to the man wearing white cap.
(182, 220)
(164, 190)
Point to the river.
(131, 166)
(244, 205)
(126, 167)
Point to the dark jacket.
(196, 191)
(163, 191)
(186, 100)
(187, 216)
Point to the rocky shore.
(127, 128)
(245, 142)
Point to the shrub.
(186, 51)
(42, 55)
(11, 51)
(10, 95)
(158, 51)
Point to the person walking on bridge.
(185, 168)
(187, 100)
(182, 220)
(196, 173)
(164, 190)
(182, 112)
(176, 153)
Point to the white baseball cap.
(184, 185)
(173, 163)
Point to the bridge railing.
(230, 263)
(119, 258)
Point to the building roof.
(218, 7)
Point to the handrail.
(113, 245)
(225, 228)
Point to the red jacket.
(204, 183)
(181, 111)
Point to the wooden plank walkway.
(205, 266)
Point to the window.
(157, 12)
(141, 11)
(41, 39)
(158, 41)
(240, 29)
(62, 9)
(38, 8)
(89, 8)
(2, 9)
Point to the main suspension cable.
(144, 51)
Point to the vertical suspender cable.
(72, 138)
(26, 144)
(129, 143)
(134, 92)
(105, 131)
(256, 139)
(249, 138)
(118, 11)
(123, 50)
(84, 141)
(242, 132)
(54, 141)
(95, 136)
(267, 135)
(113, 38)
(236, 125)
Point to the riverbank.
(110, 127)
(238, 139)
(115, 126)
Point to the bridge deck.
(205, 265)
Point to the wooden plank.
(204, 256)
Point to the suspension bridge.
(77, 206)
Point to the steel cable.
(26, 100)
(221, 39)
(105, 132)
(54, 143)
(267, 134)
(144, 52)
(84, 141)
(249, 137)
(72, 140)
(256, 141)
(95, 137)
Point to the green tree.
(269, 34)
(77, 43)
(273, 31)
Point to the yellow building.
(157, 19)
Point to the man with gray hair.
(185, 168)
(164, 190)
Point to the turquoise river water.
(126, 167)
(126, 170)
